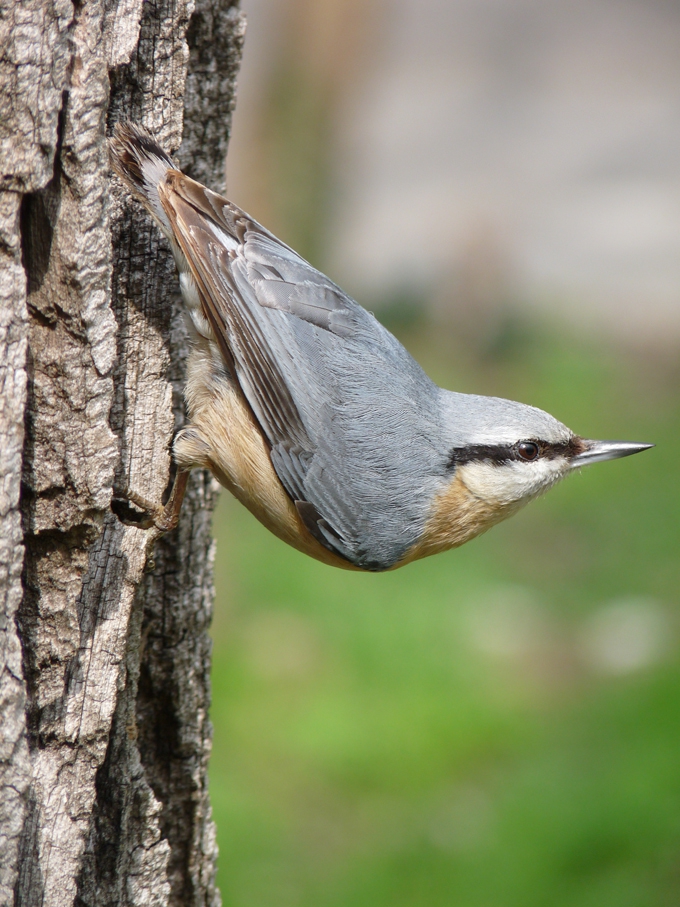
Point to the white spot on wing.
(154, 171)
(225, 239)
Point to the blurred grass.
(493, 727)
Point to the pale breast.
(456, 516)
(224, 437)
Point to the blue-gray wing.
(350, 417)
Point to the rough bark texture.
(104, 654)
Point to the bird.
(311, 413)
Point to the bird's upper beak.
(597, 451)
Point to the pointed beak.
(598, 451)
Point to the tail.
(142, 165)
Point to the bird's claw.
(150, 516)
(143, 515)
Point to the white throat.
(512, 482)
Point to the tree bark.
(104, 653)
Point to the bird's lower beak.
(597, 451)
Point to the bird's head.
(499, 456)
(506, 453)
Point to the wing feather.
(236, 328)
(342, 405)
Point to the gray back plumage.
(374, 457)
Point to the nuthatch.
(312, 414)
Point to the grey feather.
(350, 416)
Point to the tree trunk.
(104, 652)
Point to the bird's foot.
(145, 514)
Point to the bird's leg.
(164, 518)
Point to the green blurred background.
(498, 726)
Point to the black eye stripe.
(497, 454)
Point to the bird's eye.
(527, 450)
